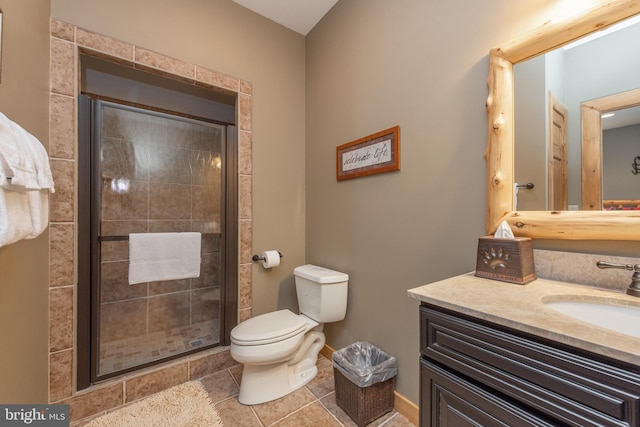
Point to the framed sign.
(375, 153)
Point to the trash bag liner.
(364, 364)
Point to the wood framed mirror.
(569, 225)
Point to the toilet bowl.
(280, 349)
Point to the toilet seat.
(268, 328)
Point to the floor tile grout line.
(388, 420)
(291, 413)
(335, 417)
(255, 414)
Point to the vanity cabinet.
(475, 373)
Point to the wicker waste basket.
(364, 379)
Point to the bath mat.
(185, 405)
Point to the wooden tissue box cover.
(507, 260)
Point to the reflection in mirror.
(592, 67)
(620, 148)
(613, 115)
(564, 224)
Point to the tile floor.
(311, 406)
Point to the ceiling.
(298, 15)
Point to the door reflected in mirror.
(576, 74)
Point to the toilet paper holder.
(261, 258)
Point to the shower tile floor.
(131, 352)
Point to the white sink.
(619, 318)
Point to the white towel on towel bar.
(163, 256)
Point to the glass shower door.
(153, 172)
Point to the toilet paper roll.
(270, 259)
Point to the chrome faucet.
(634, 287)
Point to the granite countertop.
(521, 307)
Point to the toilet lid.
(268, 328)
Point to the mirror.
(595, 159)
(573, 225)
(549, 89)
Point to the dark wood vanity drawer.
(449, 400)
(571, 387)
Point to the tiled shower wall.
(66, 43)
(172, 170)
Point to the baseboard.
(400, 403)
(327, 351)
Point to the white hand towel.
(25, 182)
(15, 217)
(38, 202)
(163, 256)
(23, 159)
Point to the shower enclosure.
(151, 171)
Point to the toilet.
(280, 349)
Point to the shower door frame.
(88, 246)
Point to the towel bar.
(126, 237)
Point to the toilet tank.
(322, 293)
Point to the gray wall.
(619, 149)
(24, 278)
(423, 65)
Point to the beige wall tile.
(95, 401)
(244, 286)
(168, 286)
(131, 205)
(123, 319)
(62, 134)
(217, 79)
(62, 202)
(244, 314)
(246, 201)
(114, 283)
(169, 311)
(245, 117)
(114, 251)
(62, 74)
(104, 44)
(246, 87)
(62, 30)
(245, 153)
(139, 387)
(60, 375)
(164, 63)
(209, 271)
(62, 250)
(207, 365)
(60, 318)
(169, 201)
(206, 202)
(205, 304)
(246, 241)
